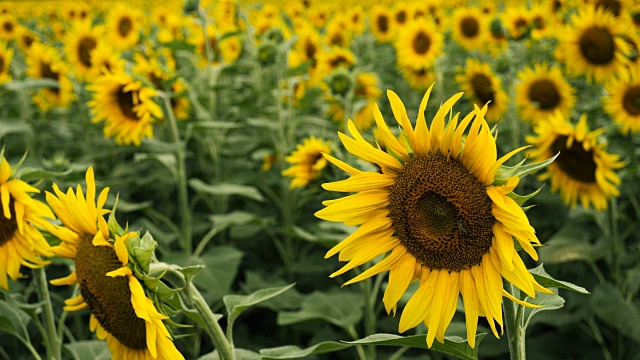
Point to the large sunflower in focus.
(623, 103)
(126, 107)
(307, 161)
(584, 170)
(121, 313)
(418, 45)
(79, 46)
(482, 87)
(468, 27)
(438, 212)
(543, 91)
(593, 45)
(44, 62)
(20, 240)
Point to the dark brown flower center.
(597, 46)
(126, 103)
(631, 101)
(483, 89)
(469, 27)
(85, 45)
(7, 26)
(338, 60)
(1, 64)
(575, 161)
(421, 43)
(8, 227)
(383, 23)
(636, 18)
(441, 213)
(48, 73)
(124, 26)
(27, 40)
(109, 298)
(544, 94)
(613, 6)
(401, 17)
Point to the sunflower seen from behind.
(584, 171)
(480, 85)
(121, 312)
(307, 161)
(21, 243)
(440, 214)
(542, 91)
(623, 102)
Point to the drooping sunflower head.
(44, 62)
(481, 85)
(440, 210)
(80, 44)
(21, 243)
(418, 45)
(543, 91)
(468, 28)
(126, 106)
(584, 170)
(121, 312)
(307, 161)
(623, 102)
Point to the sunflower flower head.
(108, 270)
(442, 210)
(21, 243)
(307, 161)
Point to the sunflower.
(496, 37)
(20, 240)
(593, 45)
(106, 59)
(337, 33)
(517, 21)
(418, 45)
(8, 27)
(418, 79)
(482, 86)
(468, 27)
(623, 102)
(401, 15)
(6, 55)
(306, 48)
(330, 61)
(121, 313)
(543, 91)
(356, 20)
(439, 212)
(583, 170)
(123, 27)
(367, 87)
(126, 106)
(307, 161)
(381, 23)
(80, 43)
(44, 62)
(25, 38)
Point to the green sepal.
(521, 199)
(114, 227)
(519, 170)
(144, 252)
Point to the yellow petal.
(400, 277)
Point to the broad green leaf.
(30, 84)
(294, 352)
(548, 302)
(239, 354)
(14, 127)
(571, 243)
(263, 123)
(342, 309)
(223, 221)
(13, 320)
(226, 189)
(31, 174)
(610, 307)
(89, 349)
(544, 279)
(236, 304)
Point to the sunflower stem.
(183, 193)
(221, 343)
(52, 341)
(513, 322)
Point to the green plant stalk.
(52, 341)
(513, 321)
(615, 240)
(181, 172)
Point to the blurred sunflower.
(123, 26)
(593, 45)
(25, 38)
(223, 48)
(367, 87)
(126, 107)
(356, 20)
(121, 313)
(80, 43)
(584, 170)
(623, 102)
(542, 25)
(401, 15)
(337, 34)
(517, 22)
(307, 161)
(306, 48)
(8, 27)
(331, 60)
(438, 212)
(468, 27)
(381, 23)
(44, 62)
(483, 87)
(615, 7)
(6, 56)
(179, 102)
(541, 92)
(106, 60)
(20, 240)
(418, 45)
(418, 79)
(496, 37)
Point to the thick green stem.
(513, 322)
(181, 173)
(51, 335)
(616, 249)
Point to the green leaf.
(547, 301)
(571, 243)
(31, 174)
(239, 354)
(30, 84)
(520, 199)
(13, 320)
(342, 309)
(223, 221)
(610, 307)
(544, 279)
(226, 189)
(236, 304)
(14, 127)
(520, 170)
(294, 352)
(89, 349)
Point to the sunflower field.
(243, 180)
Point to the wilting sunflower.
(418, 45)
(438, 211)
(623, 102)
(20, 240)
(307, 161)
(543, 91)
(482, 86)
(593, 45)
(584, 170)
(123, 27)
(121, 313)
(81, 41)
(44, 62)
(126, 107)
(468, 27)
(6, 55)
(381, 23)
